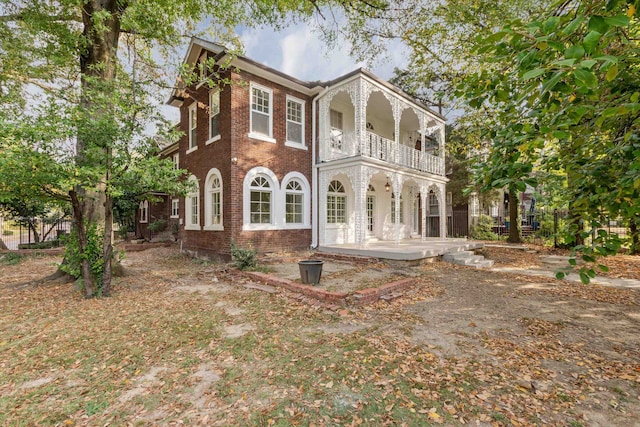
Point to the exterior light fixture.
(387, 187)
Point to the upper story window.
(335, 121)
(433, 204)
(176, 160)
(214, 115)
(260, 208)
(193, 126)
(295, 121)
(294, 203)
(336, 203)
(261, 113)
(144, 211)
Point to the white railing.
(377, 147)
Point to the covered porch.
(403, 250)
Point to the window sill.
(295, 227)
(174, 216)
(143, 222)
(262, 137)
(259, 227)
(192, 227)
(192, 149)
(211, 140)
(296, 145)
(216, 227)
(337, 226)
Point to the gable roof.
(197, 45)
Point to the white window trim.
(172, 215)
(306, 202)
(338, 225)
(176, 160)
(213, 173)
(187, 207)
(144, 207)
(213, 138)
(246, 199)
(293, 144)
(259, 136)
(193, 109)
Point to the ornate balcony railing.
(377, 147)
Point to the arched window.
(213, 201)
(192, 207)
(294, 203)
(393, 209)
(261, 197)
(336, 203)
(144, 211)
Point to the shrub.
(483, 229)
(11, 258)
(40, 245)
(7, 232)
(244, 259)
(157, 225)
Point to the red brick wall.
(234, 142)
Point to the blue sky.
(300, 52)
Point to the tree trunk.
(80, 226)
(634, 249)
(3, 246)
(98, 64)
(108, 233)
(514, 229)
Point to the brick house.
(284, 164)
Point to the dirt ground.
(204, 345)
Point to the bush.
(7, 232)
(157, 225)
(11, 258)
(244, 259)
(483, 229)
(40, 245)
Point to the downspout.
(314, 172)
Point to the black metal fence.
(32, 232)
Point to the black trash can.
(310, 271)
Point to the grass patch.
(11, 258)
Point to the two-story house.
(283, 164)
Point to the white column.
(397, 190)
(360, 206)
(442, 210)
(424, 198)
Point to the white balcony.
(374, 146)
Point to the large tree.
(77, 80)
(568, 83)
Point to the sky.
(300, 52)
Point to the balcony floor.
(404, 250)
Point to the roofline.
(386, 84)
(311, 88)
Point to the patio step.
(467, 258)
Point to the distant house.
(284, 164)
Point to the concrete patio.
(404, 250)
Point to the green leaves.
(574, 52)
(585, 78)
(533, 73)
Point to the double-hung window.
(192, 207)
(214, 115)
(295, 122)
(261, 196)
(335, 121)
(336, 203)
(294, 203)
(144, 211)
(176, 160)
(261, 113)
(175, 208)
(193, 127)
(393, 210)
